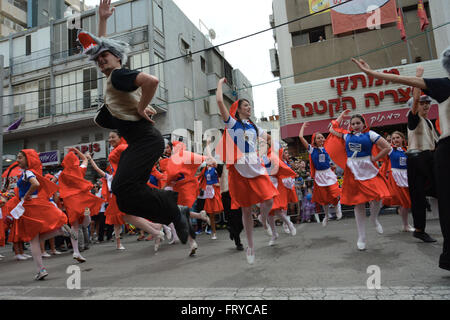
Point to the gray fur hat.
(446, 60)
(93, 46)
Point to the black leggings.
(134, 196)
(442, 170)
(233, 217)
(421, 184)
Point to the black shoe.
(425, 237)
(444, 263)
(240, 247)
(182, 225)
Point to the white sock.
(360, 217)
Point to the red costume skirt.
(292, 196)
(326, 195)
(249, 191)
(399, 196)
(112, 214)
(2, 232)
(40, 216)
(280, 202)
(76, 205)
(361, 191)
(214, 205)
(188, 191)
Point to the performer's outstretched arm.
(300, 135)
(339, 120)
(417, 92)
(417, 82)
(219, 98)
(104, 12)
(84, 160)
(94, 165)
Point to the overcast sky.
(232, 19)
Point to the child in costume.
(326, 186)
(248, 181)
(352, 150)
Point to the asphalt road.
(318, 263)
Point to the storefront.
(383, 104)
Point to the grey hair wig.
(93, 46)
(446, 60)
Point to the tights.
(360, 217)
(36, 246)
(247, 219)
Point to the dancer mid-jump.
(127, 98)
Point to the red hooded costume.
(76, 191)
(39, 215)
(112, 213)
(280, 171)
(180, 170)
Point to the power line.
(391, 44)
(198, 51)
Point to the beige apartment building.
(13, 16)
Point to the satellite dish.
(212, 34)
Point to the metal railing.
(65, 108)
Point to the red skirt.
(292, 196)
(399, 196)
(2, 233)
(214, 205)
(40, 216)
(361, 191)
(112, 214)
(246, 192)
(188, 191)
(326, 195)
(280, 202)
(76, 205)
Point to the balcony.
(66, 115)
(14, 10)
(35, 61)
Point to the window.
(89, 88)
(140, 62)
(44, 98)
(123, 17)
(158, 17)
(159, 70)
(41, 147)
(228, 72)
(317, 35)
(84, 138)
(184, 45)
(73, 43)
(60, 41)
(206, 106)
(89, 24)
(203, 64)
(98, 136)
(28, 45)
(299, 39)
(54, 145)
(19, 111)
